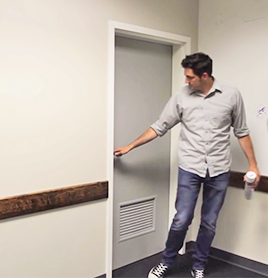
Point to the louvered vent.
(136, 218)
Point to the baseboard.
(102, 276)
(233, 259)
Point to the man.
(206, 110)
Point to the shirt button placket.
(206, 134)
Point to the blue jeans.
(214, 191)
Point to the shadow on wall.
(141, 170)
(230, 227)
(238, 222)
(262, 224)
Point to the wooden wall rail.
(36, 202)
(46, 200)
(236, 180)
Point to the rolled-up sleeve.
(239, 117)
(170, 116)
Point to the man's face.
(193, 80)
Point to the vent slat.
(139, 221)
(136, 218)
(135, 211)
(127, 210)
(137, 228)
(131, 228)
(139, 204)
(135, 234)
(136, 214)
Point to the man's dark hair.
(199, 63)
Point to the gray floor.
(215, 268)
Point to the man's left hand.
(257, 180)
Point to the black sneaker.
(198, 273)
(158, 271)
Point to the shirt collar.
(216, 87)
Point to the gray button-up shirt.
(204, 142)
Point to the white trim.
(133, 31)
(181, 47)
(179, 52)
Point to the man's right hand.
(121, 151)
(146, 137)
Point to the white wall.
(233, 33)
(53, 107)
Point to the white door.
(143, 73)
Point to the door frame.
(181, 46)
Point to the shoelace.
(159, 270)
(199, 273)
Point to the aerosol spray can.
(249, 190)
